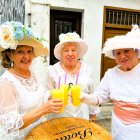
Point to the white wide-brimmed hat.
(14, 33)
(130, 40)
(67, 38)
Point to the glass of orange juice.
(65, 89)
(75, 95)
(58, 94)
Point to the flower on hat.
(12, 32)
(135, 32)
(69, 37)
(7, 38)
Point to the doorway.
(62, 22)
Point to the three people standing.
(23, 101)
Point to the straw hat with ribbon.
(14, 33)
(67, 38)
(130, 40)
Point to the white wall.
(92, 22)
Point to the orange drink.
(58, 94)
(75, 94)
(65, 89)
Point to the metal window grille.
(62, 27)
(12, 10)
(122, 17)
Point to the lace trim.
(29, 83)
(10, 123)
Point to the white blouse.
(120, 85)
(17, 97)
(57, 75)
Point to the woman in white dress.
(122, 85)
(23, 101)
(72, 70)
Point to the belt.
(127, 112)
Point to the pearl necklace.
(70, 73)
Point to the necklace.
(72, 72)
(30, 83)
(20, 74)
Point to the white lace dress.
(85, 79)
(18, 96)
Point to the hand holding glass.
(58, 94)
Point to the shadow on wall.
(2, 70)
(40, 68)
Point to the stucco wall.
(92, 23)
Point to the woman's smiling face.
(22, 57)
(69, 54)
(127, 58)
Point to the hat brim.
(120, 42)
(83, 47)
(39, 48)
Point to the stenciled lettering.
(80, 134)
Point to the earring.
(12, 63)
